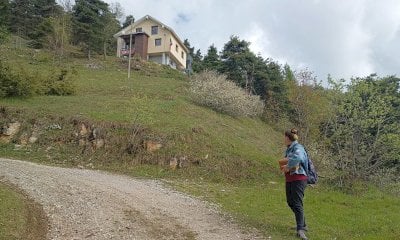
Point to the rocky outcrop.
(9, 131)
(78, 140)
(90, 138)
(152, 146)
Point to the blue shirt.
(297, 158)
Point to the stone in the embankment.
(9, 131)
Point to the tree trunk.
(105, 50)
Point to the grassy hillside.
(234, 159)
(155, 98)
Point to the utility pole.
(130, 52)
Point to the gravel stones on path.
(88, 204)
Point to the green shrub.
(23, 84)
(60, 85)
(14, 84)
(215, 91)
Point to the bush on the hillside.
(60, 85)
(23, 84)
(213, 90)
(13, 84)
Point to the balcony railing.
(125, 52)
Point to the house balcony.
(125, 52)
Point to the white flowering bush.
(214, 90)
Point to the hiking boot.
(304, 228)
(302, 235)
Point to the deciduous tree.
(364, 135)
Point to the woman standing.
(296, 178)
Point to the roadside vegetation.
(20, 218)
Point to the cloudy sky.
(338, 37)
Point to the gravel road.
(88, 204)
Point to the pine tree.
(30, 19)
(198, 62)
(197, 58)
(89, 21)
(238, 62)
(4, 19)
(4, 13)
(22, 19)
(212, 61)
(45, 8)
(128, 21)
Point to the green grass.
(11, 214)
(330, 214)
(19, 218)
(241, 152)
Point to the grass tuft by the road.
(20, 218)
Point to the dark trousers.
(294, 198)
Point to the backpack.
(311, 172)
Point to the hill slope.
(155, 98)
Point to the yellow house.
(153, 41)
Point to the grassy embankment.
(20, 218)
(237, 155)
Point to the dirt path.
(87, 204)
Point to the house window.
(182, 55)
(158, 42)
(176, 47)
(154, 30)
(139, 30)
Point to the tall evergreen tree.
(198, 61)
(89, 21)
(187, 45)
(256, 75)
(276, 91)
(276, 83)
(261, 77)
(45, 8)
(197, 57)
(128, 21)
(30, 18)
(5, 12)
(4, 19)
(238, 62)
(212, 61)
(22, 12)
(289, 75)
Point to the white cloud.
(258, 39)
